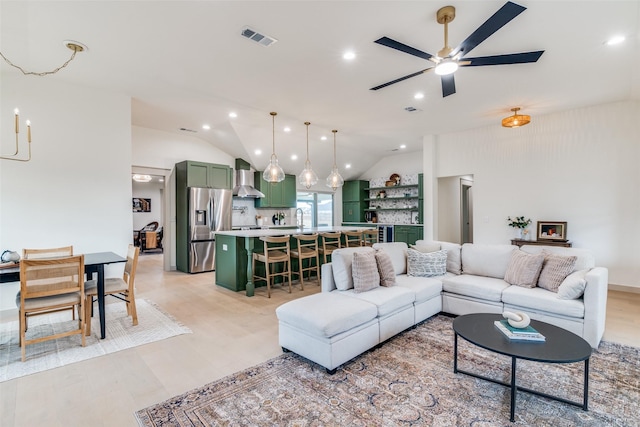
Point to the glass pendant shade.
(273, 172)
(334, 180)
(307, 177)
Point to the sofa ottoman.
(328, 328)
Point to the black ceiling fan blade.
(401, 79)
(499, 19)
(448, 85)
(511, 58)
(393, 44)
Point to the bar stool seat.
(276, 250)
(330, 242)
(370, 236)
(307, 248)
(353, 238)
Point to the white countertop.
(286, 230)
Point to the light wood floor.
(230, 332)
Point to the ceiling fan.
(448, 60)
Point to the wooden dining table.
(93, 263)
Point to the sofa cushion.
(426, 247)
(426, 264)
(585, 259)
(454, 262)
(554, 270)
(326, 314)
(387, 300)
(397, 251)
(573, 285)
(480, 287)
(365, 271)
(486, 260)
(524, 269)
(385, 269)
(424, 288)
(538, 299)
(341, 260)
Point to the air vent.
(257, 37)
(411, 109)
(188, 130)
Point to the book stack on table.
(518, 334)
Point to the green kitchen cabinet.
(353, 200)
(276, 194)
(207, 175)
(407, 233)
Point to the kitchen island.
(234, 251)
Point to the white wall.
(578, 166)
(402, 164)
(76, 190)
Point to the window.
(317, 208)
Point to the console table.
(520, 242)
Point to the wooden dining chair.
(352, 238)
(370, 236)
(276, 250)
(47, 286)
(121, 288)
(330, 242)
(307, 248)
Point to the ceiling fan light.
(516, 120)
(446, 67)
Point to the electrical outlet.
(224, 247)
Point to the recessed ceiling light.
(161, 180)
(324, 138)
(403, 146)
(615, 40)
(418, 95)
(349, 55)
(294, 157)
(287, 129)
(347, 166)
(258, 152)
(233, 115)
(206, 127)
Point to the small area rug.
(153, 325)
(409, 380)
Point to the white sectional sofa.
(340, 323)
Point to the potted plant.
(519, 223)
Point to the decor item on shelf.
(14, 156)
(307, 177)
(382, 194)
(519, 223)
(70, 44)
(389, 183)
(273, 172)
(334, 180)
(395, 178)
(516, 120)
(552, 230)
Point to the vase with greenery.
(519, 223)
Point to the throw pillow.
(426, 247)
(572, 287)
(385, 269)
(365, 272)
(554, 270)
(426, 264)
(524, 269)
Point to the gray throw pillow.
(385, 269)
(524, 269)
(426, 264)
(554, 270)
(365, 271)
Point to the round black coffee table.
(560, 346)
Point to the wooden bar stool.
(330, 242)
(276, 250)
(370, 236)
(352, 239)
(307, 249)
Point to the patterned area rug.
(410, 381)
(153, 325)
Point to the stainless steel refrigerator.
(209, 211)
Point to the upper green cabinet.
(276, 194)
(353, 201)
(200, 174)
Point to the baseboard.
(624, 288)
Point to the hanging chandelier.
(307, 177)
(334, 180)
(273, 172)
(14, 156)
(516, 120)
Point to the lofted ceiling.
(185, 64)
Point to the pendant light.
(307, 177)
(516, 120)
(334, 180)
(273, 172)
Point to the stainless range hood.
(245, 184)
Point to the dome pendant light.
(516, 120)
(307, 177)
(334, 180)
(273, 172)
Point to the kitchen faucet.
(301, 223)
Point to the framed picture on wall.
(141, 205)
(552, 230)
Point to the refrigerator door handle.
(212, 216)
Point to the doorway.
(455, 209)
(466, 210)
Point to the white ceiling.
(184, 63)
